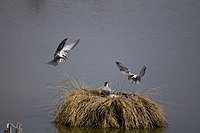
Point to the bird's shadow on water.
(65, 129)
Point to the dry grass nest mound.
(86, 107)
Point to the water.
(163, 35)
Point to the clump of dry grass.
(86, 107)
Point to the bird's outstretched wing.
(142, 72)
(70, 46)
(60, 46)
(123, 68)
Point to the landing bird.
(106, 87)
(135, 78)
(62, 51)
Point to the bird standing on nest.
(135, 78)
(106, 87)
(62, 51)
(106, 90)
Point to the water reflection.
(63, 129)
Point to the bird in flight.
(135, 78)
(62, 51)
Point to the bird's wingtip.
(64, 40)
(117, 62)
(77, 41)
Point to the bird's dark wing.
(70, 46)
(123, 68)
(60, 46)
(142, 72)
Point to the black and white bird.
(106, 87)
(62, 51)
(106, 90)
(135, 78)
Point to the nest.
(86, 107)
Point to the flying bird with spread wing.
(62, 51)
(135, 78)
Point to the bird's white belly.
(134, 76)
(61, 54)
(106, 88)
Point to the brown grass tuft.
(86, 107)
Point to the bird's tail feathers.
(53, 62)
